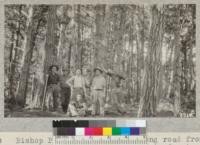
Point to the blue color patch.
(135, 131)
(125, 131)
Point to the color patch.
(116, 131)
(99, 127)
(140, 123)
(130, 123)
(70, 131)
(135, 131)
(98, 131)
(80, 131)
(88, 131)
(55, 132)
(61, 131)
(99, 123)
(107, 131)
(142, 131)
(125, 131)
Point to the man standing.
(88, 80)
(77, 83)
(53, 89)
(98, 92)
(118, 95)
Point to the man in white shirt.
(98, 92)
(77, 84)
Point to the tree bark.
(99, 20)
(27, 56)
(177, 67)
(148, 102)
(78, 55)
(69, 57)
(51, 51)
(13, 74)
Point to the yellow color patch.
(107, 131)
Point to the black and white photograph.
(100, 60)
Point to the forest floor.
(20, 112)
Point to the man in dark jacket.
(53, 89)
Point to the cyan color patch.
(125, 131)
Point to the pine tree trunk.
(131, 60)
(11, 94)
(142, 38)
(177, 71)
(78, 55)
(148, 102)
(140, 64)
(51, 51)
(100, 14)
(120, 39)
(69, 57)
(171, 74)
(11, 50)
(82, 48)
(61, 45)
(138, 81)
(13, 73)
(27, 56)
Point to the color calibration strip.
(99, 128)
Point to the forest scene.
(100, 60)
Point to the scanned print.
(100, 60)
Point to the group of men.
(85, 92)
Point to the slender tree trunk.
(65, 20)
(12, 79)
(142, 38)
(69, 57)
(99, 20)
(61, 45)
(171, 75)
(120, 38)
(78, 51)
(176, 81)
(141, 52)
(138, 81)
(177, 67)
(108, 48)
(131, 59)
(82, 48)
(11, 50)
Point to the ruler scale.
(101, 140)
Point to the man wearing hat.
(98, 92)
(53, 89)
(117, 94)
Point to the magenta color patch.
(88, 131)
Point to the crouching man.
(77, 107)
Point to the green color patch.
(116, 131)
